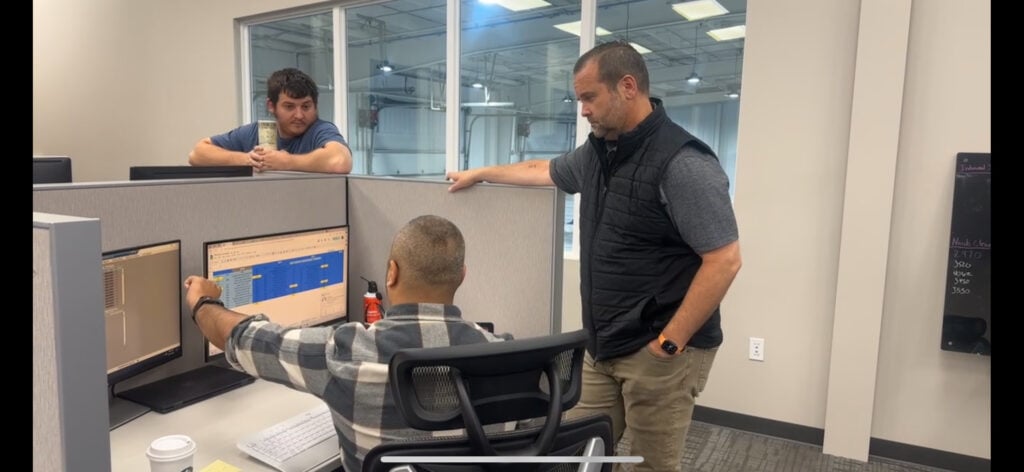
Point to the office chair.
(468, 387)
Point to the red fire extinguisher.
(372, 310)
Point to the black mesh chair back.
(476, 387)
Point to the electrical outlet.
(756, 349)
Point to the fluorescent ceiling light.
(488, 104)
(640, 49)
(732, 32)
(574, 28)
(517, 5)
(699, 9)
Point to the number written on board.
(967, 311)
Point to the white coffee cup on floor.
(172, 453)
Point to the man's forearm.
(216, 323)
(333, 158)
(533, 172)
(708, 288)
(207, 154)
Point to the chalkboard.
(966, 321)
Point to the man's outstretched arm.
(530, 173)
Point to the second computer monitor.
(142, 314)
(297, 278)
(142, 301)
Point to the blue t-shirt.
(245, 137)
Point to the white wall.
(121, 82)
(792, 164)
(792, 178)
(926, 396)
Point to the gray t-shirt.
(694, 189)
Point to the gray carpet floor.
(712, 448)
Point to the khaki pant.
(651, 397)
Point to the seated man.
(425, 268)
(304, 141)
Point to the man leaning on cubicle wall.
(300, 142)
(659, 250)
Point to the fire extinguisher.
(372, 310)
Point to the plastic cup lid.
(171, 447)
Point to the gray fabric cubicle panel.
(514, 239)
(134, 213)
(69, 401)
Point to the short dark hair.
(430, 251)
(293, 82)
(615, 60)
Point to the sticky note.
(220, 466)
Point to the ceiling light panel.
(517, 5)
(699, 9)
(574, 28)
(640, 49)
(732, 32)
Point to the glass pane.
(570, 202)
(303, 43)
(516, 81)
(396, 72)
(680, 48)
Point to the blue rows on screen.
(276, 279)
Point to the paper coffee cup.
(172, 453)
(267, 134)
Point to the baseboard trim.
(929, 457)
(755, 424)
(877, 447)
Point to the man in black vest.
(658, 251)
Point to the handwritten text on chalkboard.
(967, 313)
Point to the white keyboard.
(297, 444)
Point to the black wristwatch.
(202, 301)
(667, 345)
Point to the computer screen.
(297, 278)
(142, 306)
(51, 169)
(186, 172)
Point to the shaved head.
(430, 253)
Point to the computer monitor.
(142, 311)
(186, 172)
(51, 169)
(296, 278)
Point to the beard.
(611, 121)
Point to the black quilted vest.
(634, 266)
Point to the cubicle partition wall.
(514, 238)
(69, 404)
(134, 213)
(514, 234)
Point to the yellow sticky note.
(220, 466)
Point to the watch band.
(202, 301)
(667, 345)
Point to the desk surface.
(214, 424)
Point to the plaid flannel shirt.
(347, 365)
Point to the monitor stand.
(123, 411)
(186, 388)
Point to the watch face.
(669, 347)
